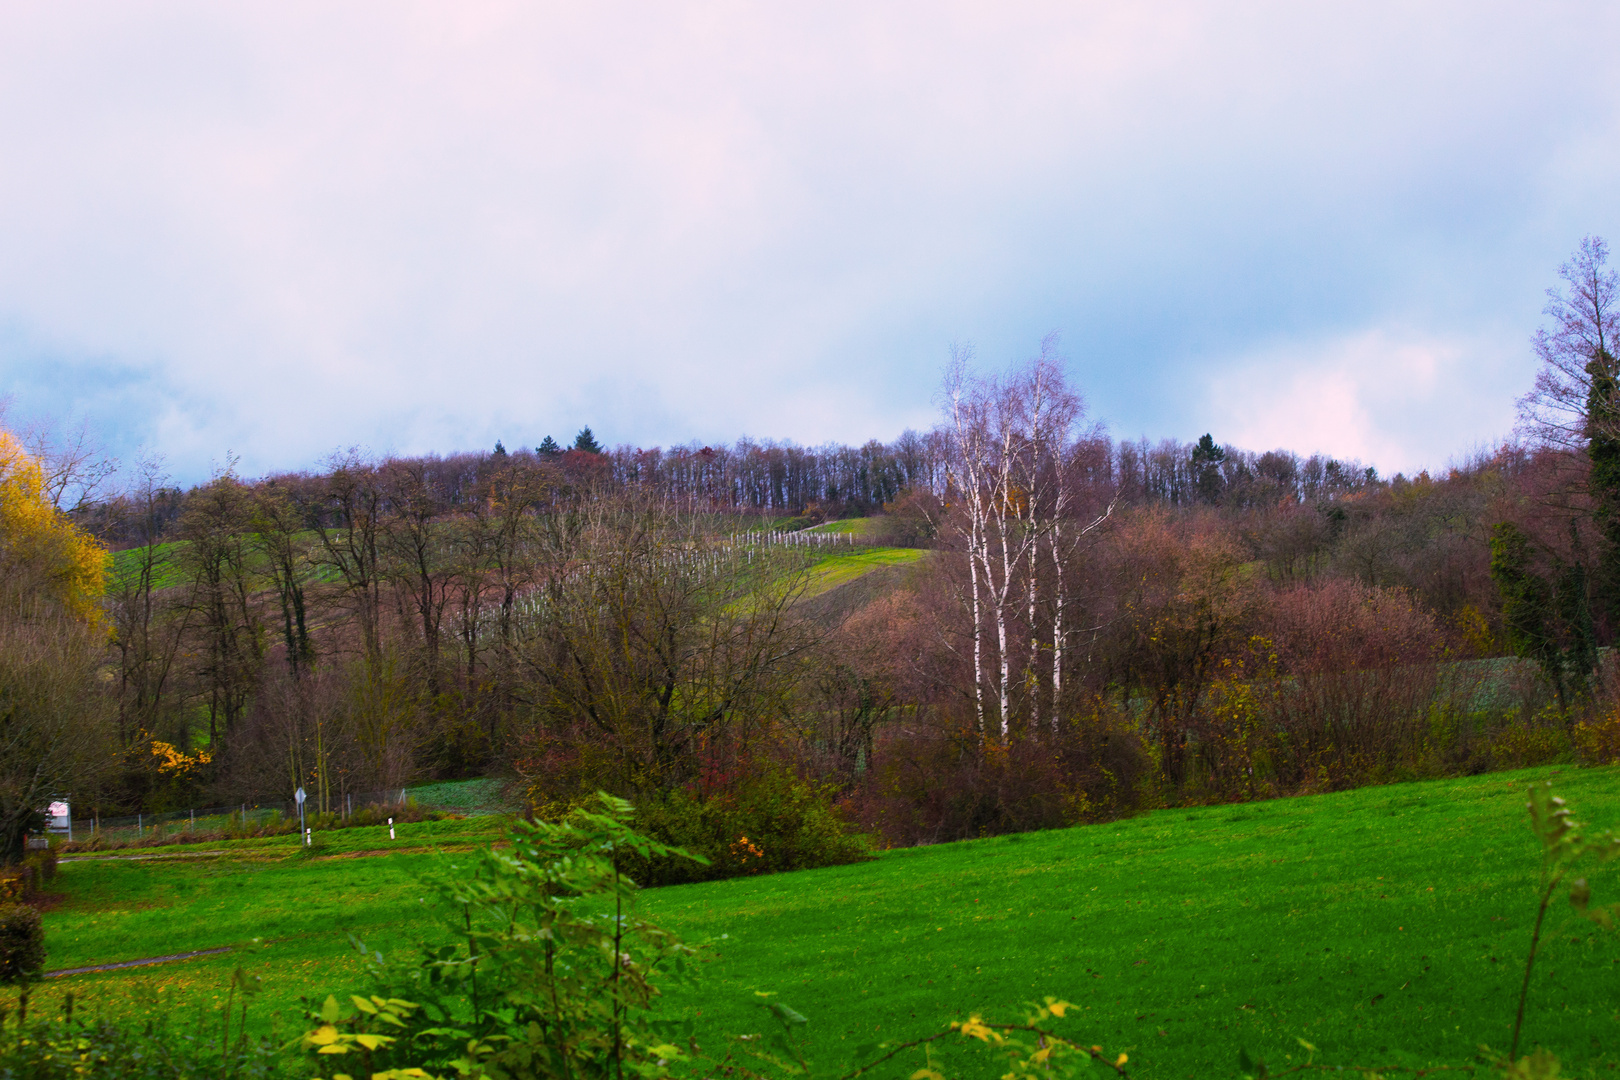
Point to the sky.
(269, 231)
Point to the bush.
(535, 982)
(932, 784)
(1597, 741)
(66, 1049)
(22, 945)
(1360, 679)
(44, 864)
(767, 822)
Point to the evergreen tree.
(1206, 466)
(586, 442)
(1549, 622)
(548, 448)
(500, 451)
(1603, 482)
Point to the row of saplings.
(550, 976)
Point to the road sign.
(299, 795)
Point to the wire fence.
(246, 815)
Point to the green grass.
(832, 571)
(1384, 924)
(125, 565)
(858, 526)
(480, 796)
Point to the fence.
(247, 814)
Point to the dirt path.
(135, 963)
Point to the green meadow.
(1384, 925)
(840, 568)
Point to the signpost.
(59, 819)
(299, 797)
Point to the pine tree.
(1549, 622)
(1206, 462)
(500, 451)
(548, 448)
(586, 442)
(1603, 482)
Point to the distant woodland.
(1010, 621)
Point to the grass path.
(1372, 923)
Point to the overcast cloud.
(277, 229)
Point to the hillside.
(1369, 922)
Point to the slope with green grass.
(841, 568)
(1383, 925)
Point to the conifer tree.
(1603, 481)
(1548, 621)
(586, 442)
(1206, 467)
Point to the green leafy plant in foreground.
(70, 1046)
(1028, 1051)
(551, 969)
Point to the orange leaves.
(744, 849)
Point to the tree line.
(1091, 625)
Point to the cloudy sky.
(277, 229)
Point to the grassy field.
(1385, 924)
(834, 570)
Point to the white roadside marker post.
(390, 828)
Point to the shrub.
(22, 945)
(1597, 741)
(550, 974)
(1360, 680)
(768, 821)
(66, 1048)
(44, 864)
(1516, 745)
(934, 783)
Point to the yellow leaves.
(975, 1028)
(927, 1074)
(38, 545)
(1056, 1008)
(173, 762)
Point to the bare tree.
(346, 513)
(1561, 409)
(149, 605)
(1011, 493)
(217, 558)
(77, 467)
(654, 640)
(278, 531)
